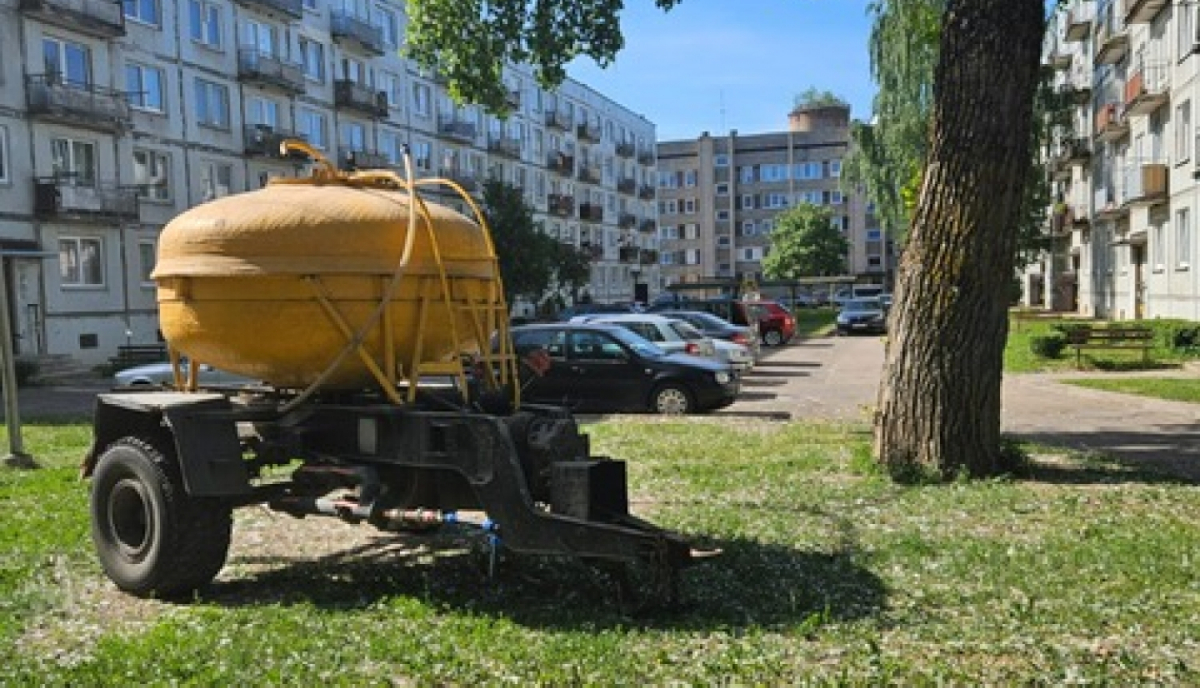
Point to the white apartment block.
(117, 116)
(718, 197)
(1123, 223)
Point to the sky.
(718, 65)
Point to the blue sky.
(716, 65)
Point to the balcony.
(356, 159)
(1147, 89)
(503, 145)
(1112, 43)
(264, 69)
(630, 254)
(263, 141)
(1073, 152)
(626, 220)
(1146, 184)
(649, 256)
(456, 129)
(646, 192)
(464, 178)
(561, 163)
(1110, 204)
(1143, 11)
(648, 226)
(290, 9)
(360, 97)
(588, 174)
(63, 198)
(1111, 123)
(556, 120)
(645, 156)
(588, 132)
(625, 149)
(627, 185)
(593, 251)
(96, 18)
(83, 105)
(561, 204)
(1079, 23)
(351, 30)
(1058, 58)
(592, 212)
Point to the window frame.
(80, 282)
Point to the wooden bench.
(1128, 337)
(130, 355)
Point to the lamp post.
(17, 456)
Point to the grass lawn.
(1172, 389)
(1084, 573)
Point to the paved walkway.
(836, 378)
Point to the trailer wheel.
(153, 540)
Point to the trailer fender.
(200, 425)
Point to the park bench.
(130, 355)
(1128, 337)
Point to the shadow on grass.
(1170, 454)
(749, 585)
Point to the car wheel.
(672, 399)
(772, 338)
(151, 537)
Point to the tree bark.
(939, 399)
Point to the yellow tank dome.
(321, 280)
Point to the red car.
(776, 324)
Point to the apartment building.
(1124, 173)
(719, 196)
(116, 116)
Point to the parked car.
(769, 326)
(862, 315)
(161, 374)
(593, 309)
(607, 368)
(670, 334)
(719, 328)
(776, 324)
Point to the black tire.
(772, 338)
(153, 540)
(672, 399)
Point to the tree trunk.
(939, 399)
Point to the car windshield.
(686, 330)
(862, 305)
(706, 319)
(639, 344)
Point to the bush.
(1048, 345)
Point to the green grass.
(1172, 389)
(814, 322)
(1018, 358)
(830, 574)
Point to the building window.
(80, 262)
(689, 206)
(421, 98)
(144, 87)
(74, 161)
(151, 174)
(205, 23)
(422, 153)
(1183, 238)
(723, 215)
(212, 104)
(1186, 13)
(312, 57)
(775, 200)
(1183, 131)
(4, 155)
(147, 255)
(144, 11)
(749, 228)
(385, 18)
(722, 189)
(835, 168)
(721, 160)
(262, 112)
(216, 178)
(67, 62)
(746, 174)
(689, 178)
(312, 126)
(391, 84)
(1157, 249)
(807, 170)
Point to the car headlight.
(722, 378)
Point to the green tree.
(816, 98)
(805, 243)
(526, 255)
(939, 408)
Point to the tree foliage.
(805, 243)
(470, 41)
(814, 97)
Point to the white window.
(144, 87)
(312, 57)
(721, 160)
(835, 198)
(722, 214)
(668, 207)
(260, 37)
(691, 256)
(80, 261)
(212, 104)
(144, 11)
(147, 256)
(205, 20)
(216, 178)
(311, 5)
(746, 174)
(773, 173)
(311, 125)
(811, 197)
(262, 111)
(1186, 22)
(67, 62)
(421, 98)
(1183, 131)
(691, 231)
(74, 161)
(422, 153)
(722, 189)
(354, 136)
(391, 84)
(1157, 248)
(749, 228)
(152, 175)
(689, 206)
(689, 178)
(752, 253)
(775, 200)
(835, 168)
(807, 170)
(748, 202)
(4, 155)
(386, 20)
(1183, 238)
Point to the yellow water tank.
(320, 279)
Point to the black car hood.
(694, 361)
